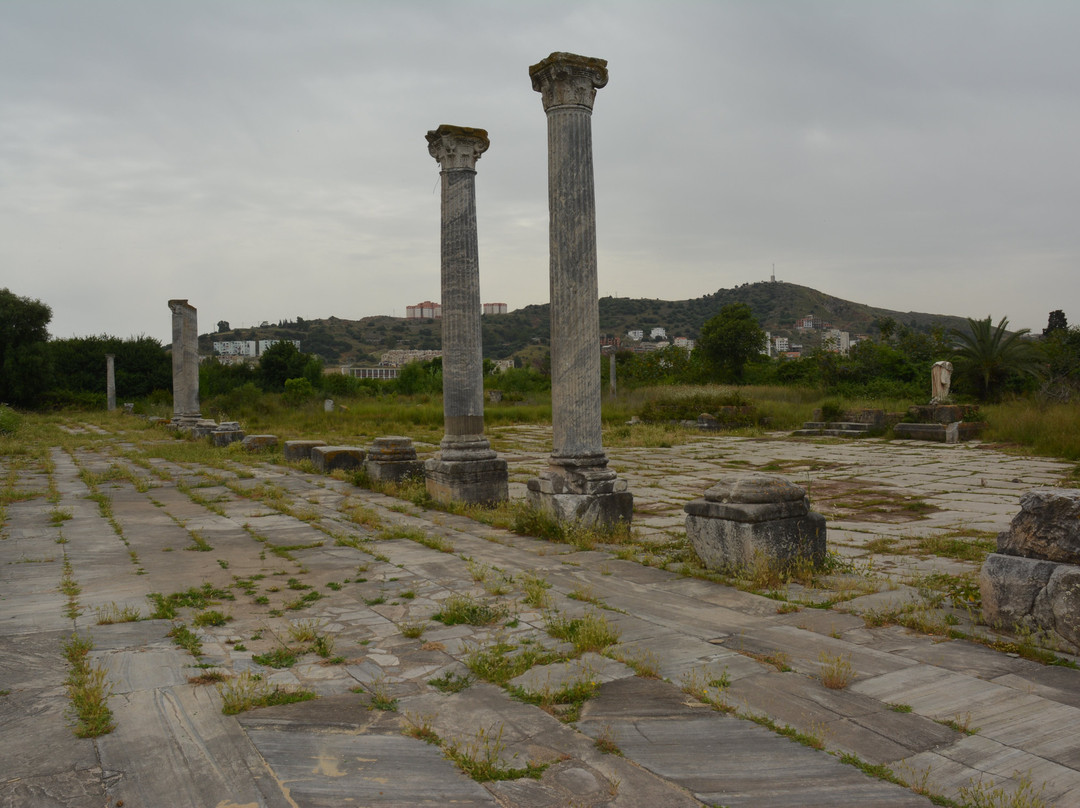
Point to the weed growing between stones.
(249, 691)
(420, 727)
(463, 609)
(605, 741)
(211, 617)
(591, 632)
(360, 515)
(451, 682)
(497, 663)
(985, 794)
(70, 587)
(480, 757)
(413, 631)
(778, 659)
(185, 638)
(837, 672)
(536, 590)
(113, 613)
(566, 700)
(643, 662)
(378, 694)
(57, 516)
(960, 723)
(88, 690)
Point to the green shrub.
(9, 420)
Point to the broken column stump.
(748, 518)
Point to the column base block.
(600, 510)
(470, 481)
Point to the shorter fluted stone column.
(467, 468)
(110, 382)
(185, 364)
(577, 486)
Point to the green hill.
(775, 304)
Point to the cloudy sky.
(267, 159)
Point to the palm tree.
(987, 355)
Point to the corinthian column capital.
(568, 80)
(457, 148)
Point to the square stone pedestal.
(392, 458)
(746, 518)
(475, 482)
(297, 450)
(328, 458)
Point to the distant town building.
(499, 365)
(610, 340)
(238, 347)
(836, 341)
(264, 344)
(685, 342)
(370, 373)
(658, 333)
(636, 334)
(808, 323)
(494, 308)
(781, 345)
(398, 357)
(428, 310)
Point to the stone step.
(846, 426)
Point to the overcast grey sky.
(267, 159)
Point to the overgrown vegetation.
(88, 690)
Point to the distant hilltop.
(780, 308)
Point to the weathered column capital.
(568, 80)
(177, 306)
(457, 148)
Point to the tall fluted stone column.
(185, 364)
(110, 382)
(577, 485)
(467, 469)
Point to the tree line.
(989, 359)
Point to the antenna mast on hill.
(772, 278)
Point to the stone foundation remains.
(1032, 582)
(392, 458)
(746, 518)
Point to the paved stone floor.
(118, 525)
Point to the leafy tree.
(420, 377)
(25, 371)
(280, 362)
(886, 326)
(729, 340)
(1056, 322)
(223, 325)
(1061, 349)
(987, 356)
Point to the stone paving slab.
(307, 754)
(723, 760)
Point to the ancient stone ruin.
(577, 486)
(747, 519)
(185, 364)
(1032, 582)
(392, 458)
(110, 382)
(467, 468)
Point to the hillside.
(775, 304)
